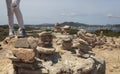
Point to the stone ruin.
(62, 29)
(57, 28)
(88, 37)
(45, 39)
(54, 54)
(66, 29)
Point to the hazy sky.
(52, 11)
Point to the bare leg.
(13, 8)
(10, 18)
(18, 14)
(10, 13)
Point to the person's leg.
(18, 14)
(10, 14)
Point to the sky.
(91, 12)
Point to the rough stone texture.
(22, 43)
(66, 29)
(66, 65)
(62, 42)
(90, 38)
(45, 39)
(33, 42)
(23, 54)
(43, 50)
(82, 46)
(57, 28)
(6, 67)
(100, 65)
(108, 43)
(49, 60)
(67, 43)
(29, 42)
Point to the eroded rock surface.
(46, 54)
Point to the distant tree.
(108, 33)
(73, 31)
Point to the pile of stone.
(26, 51)
(62, 29)
(88, 37)
(66, 29)
(45, 39)
(110, 43)
(83, 50)
(57, 28)
(54, 54)
(101, 41)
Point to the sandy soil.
(112, 58)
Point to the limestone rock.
(57, 27)
(67, 43)
(6, 67)
(100, 65)
(48, 61)
(25, 55)
(22, 43)
(78, 66)
(43, 50)
(66, 29)
(33, 42)
(82, 45)
(85, 68)
(90, 38)
(45, 39)
(62, 42)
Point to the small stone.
(85, 56)
(111, 70)
(67, 43)
(44, 71)
(43, 50)
(115, 66)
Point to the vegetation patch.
(109, 33)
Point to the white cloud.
(112, 16)
(70, 14)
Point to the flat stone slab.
(25, 55)
(22, 43)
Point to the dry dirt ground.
(112, 58)
(6, 66)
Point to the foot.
(21, 32)
(11, 33)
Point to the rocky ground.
(111, 56)
(46, 60)
(60, 60)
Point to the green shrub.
(73, 31)
(108, 33)
(3, 33)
